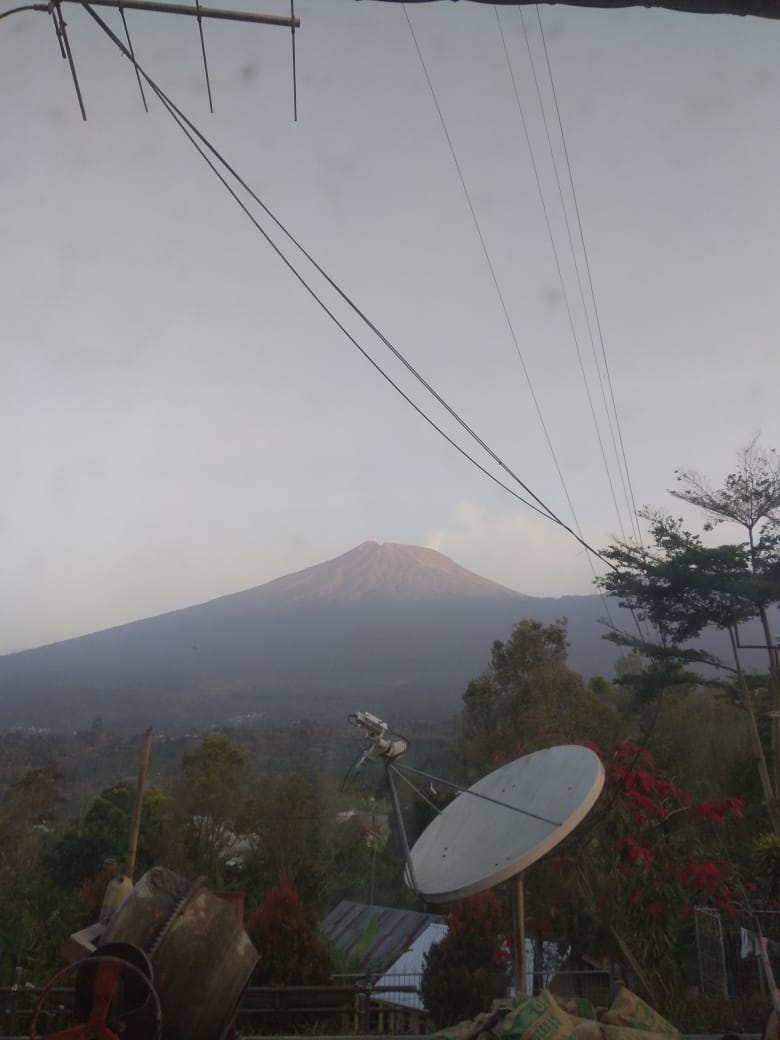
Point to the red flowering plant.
(286, 936)
(644, 860)
(471, 965)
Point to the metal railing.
(357, 1005)
(341, 1009)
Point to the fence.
(352, 1005)
(18, 1002)
(727, 948)
(345, 1008)
(596, 986)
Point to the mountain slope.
(390, 628)
(372, 572)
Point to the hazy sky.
(179, 420)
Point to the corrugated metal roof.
(373, 937)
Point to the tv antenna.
(197, 10)
(495, 829)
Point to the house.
(371, 939)
(388, 946)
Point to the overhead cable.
(492, 270)
(558, 267)
(203, 146)
(564, 290)
(623, 469)
(500, 294)
(192, 134)
(586, 313)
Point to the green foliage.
(27, 812)
(33, 916)
(528, 698)
(677, 583)
(209, 806)
(702, 741)
(750, 496)
(469, 968)
(291, 821)
(74, 858)
(680, 585)
(761, 863)
(78, 855)
(622, 885)
(647, 856)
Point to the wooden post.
(135, 827)
(521, 988)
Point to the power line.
(500, 295)
(627, 484)
(492, 270)
(562, 283)
(192, 134)
(195, 136)
(564, 211)
(559, 269)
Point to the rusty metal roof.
(373, 937)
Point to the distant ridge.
(391, 628)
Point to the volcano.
(394, 629)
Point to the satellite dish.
(505, 822)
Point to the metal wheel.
(115, 996)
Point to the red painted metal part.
(109, 971)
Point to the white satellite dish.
(505, 822)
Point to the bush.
(469, 968)
(285, 935)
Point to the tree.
(210, 803)
(80, 854)
(650, 854)
(470, 967)
(286, 936)
(31, 913)
(27, 811)
(290, 821)
(680, 586)
(528, 698)
(750, 498)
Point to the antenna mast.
(54, 8)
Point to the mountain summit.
(395, 629)
(372, 572)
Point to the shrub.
(285, 935)
(469, 968)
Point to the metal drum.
(202, 957)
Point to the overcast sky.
(179, 419)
